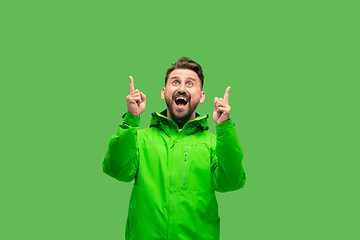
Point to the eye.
(189, 83)
(176, 82)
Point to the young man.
(176, 163)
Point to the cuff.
(225, 127)
(131, 120)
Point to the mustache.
(182, 95)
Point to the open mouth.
(181, 101)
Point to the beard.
(180, 115)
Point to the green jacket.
(176, 175)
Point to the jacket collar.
(168, 125)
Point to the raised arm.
(227, 170)
(121, 159)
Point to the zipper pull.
(173, 144)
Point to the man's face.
(182, 94)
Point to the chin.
(181, 115)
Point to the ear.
(202, 96)
(163, 93)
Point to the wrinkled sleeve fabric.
(227, 170)
(122, 157)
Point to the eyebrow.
(191, 78)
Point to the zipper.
(184, 175)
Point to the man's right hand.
(136, 100)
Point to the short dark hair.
(187, 63)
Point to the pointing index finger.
(131, 87)
(226, 96)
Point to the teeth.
(180, 98)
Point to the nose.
(182, 88)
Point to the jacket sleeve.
(227, 170)
(122, 157)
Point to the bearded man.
(176, 164)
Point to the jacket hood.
(194, 125)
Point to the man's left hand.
(222, 108)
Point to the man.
(176, 163)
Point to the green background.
(294, 70)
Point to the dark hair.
(187, 63)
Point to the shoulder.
(144, 131)
(149, 133)
(209, 135)
(204, 137)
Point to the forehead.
(184, 74)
